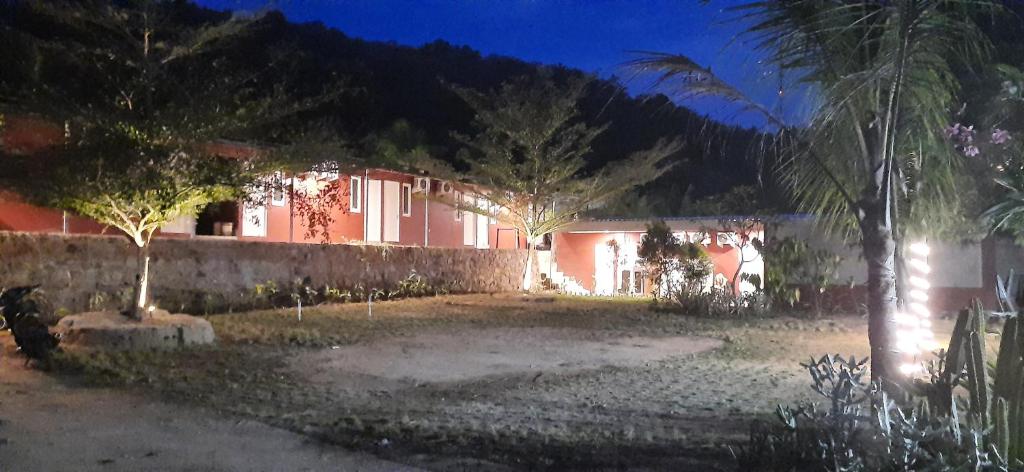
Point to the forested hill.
(410, 83)
(388, 83)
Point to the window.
(458, 201)
(406, 200)
(277, 190)
(254, 220)
(355, 194)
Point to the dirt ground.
(49, 423)
(483, 382)
(442, 357)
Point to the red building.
(374, 206)
(599, 257)
(382, 207)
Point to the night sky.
(592, 35)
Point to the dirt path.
(437, 357)
(48, 425)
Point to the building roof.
(676, 223)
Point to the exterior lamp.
(914, 335)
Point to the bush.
(929, 425)
(860, 428)
(270, 294)
(790, 262)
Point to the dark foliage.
(21, 316)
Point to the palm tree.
(873, 161)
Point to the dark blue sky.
(592, 35)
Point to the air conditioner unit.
(445, 188)
(325, 171)
(422, 185)
(727, 239)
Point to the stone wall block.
(196, 273)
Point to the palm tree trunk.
(140, 300)
(880, 254)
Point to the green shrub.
(859, 428)
(929, 425)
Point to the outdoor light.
(915, 334)
(907, 320)
(920, 249)
(920, 265)
(920, 309)
(919, 282)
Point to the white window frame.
(458, 202)
(254, 220)
(405, 200)
(355, 198)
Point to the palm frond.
(689, 80)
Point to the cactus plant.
(995, 405)
(1001, 433)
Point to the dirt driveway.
(49, 425)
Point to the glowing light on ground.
(915, 334)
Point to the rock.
(112, 331)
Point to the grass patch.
(350, 323)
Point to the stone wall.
(196, 275)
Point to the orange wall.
(726, 259)
(28, 135)
(282, 226)
(575, 257)
(444, 230)
(18, 216)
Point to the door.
(373, 201)
(482, 240)
(604, 269)
(391, 209)
(468, 223)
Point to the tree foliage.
(143, 92)
(531, 153)
(670, 261)
(873, 161)
(532, 150)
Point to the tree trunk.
(880, 254)
(528, 274)
(140, 300)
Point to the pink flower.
(971, 150)
(1000, 136)
(953, 130)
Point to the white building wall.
(954, 264)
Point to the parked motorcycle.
(21, 316)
